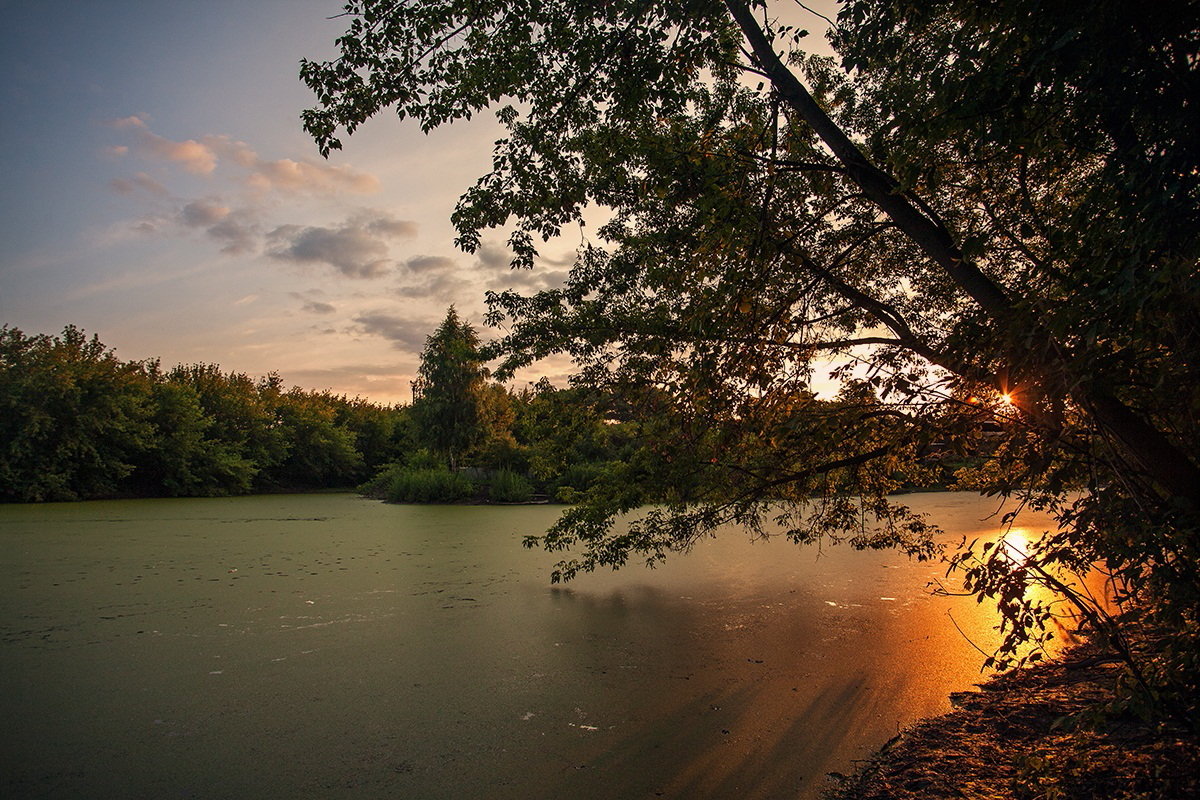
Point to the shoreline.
(1016, 738)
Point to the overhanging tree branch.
(881, 188)
(1153, 451)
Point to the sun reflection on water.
(1093, 588)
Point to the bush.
(509, 487)
(428, 486)
(423, 459)
(580, 476)
(567, 494)
(378, 487)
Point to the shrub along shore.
(400, 484)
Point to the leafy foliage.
(509, 487)
(72, 416)
(980, 203)
(447, 395)
(76, 422)
(440, 485)
(79, 423)
(183, 460)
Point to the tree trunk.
(1175, 474)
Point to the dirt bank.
(1014, 738)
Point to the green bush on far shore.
(510, 487)
(407, 485)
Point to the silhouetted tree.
(992, 207)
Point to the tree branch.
(880, 187)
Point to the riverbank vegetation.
(80, 423)
(77, 422)
(985, 212)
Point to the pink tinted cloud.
(233, 150)
(202, 156)
(132, 121)
(195, 157)
(289, 176)
(203, 213)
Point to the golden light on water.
(1093, 588)
(1017, 540)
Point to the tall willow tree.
(990, 207)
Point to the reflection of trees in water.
(756, 690)
(708, 709)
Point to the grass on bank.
(400, 484)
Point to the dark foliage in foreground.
(977, 203)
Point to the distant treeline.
(77, 422)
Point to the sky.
(159, 191)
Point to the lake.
(330, 646)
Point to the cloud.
(493, 256)
(202, 156)
(140, 181)
(230, 149)
(496, 256)
(435, 277)
(193, 156)
(137, 121)
(310, 304)
(189, 154)
(351, 251)
(238, 232)
(444, 287)
(527, 280)
(317, 307)
(387, 226)
(203, 213)
(494, 261)
(567, 259)
(289, 176)
(429, 264)
(146, 225)
(404, 333)
(357, 248)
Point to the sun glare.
(1006, 399)
(1018, 540)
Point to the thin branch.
(816, 13)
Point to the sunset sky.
(159, 191)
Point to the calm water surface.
(330, 646)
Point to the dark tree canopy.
(990, 208)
